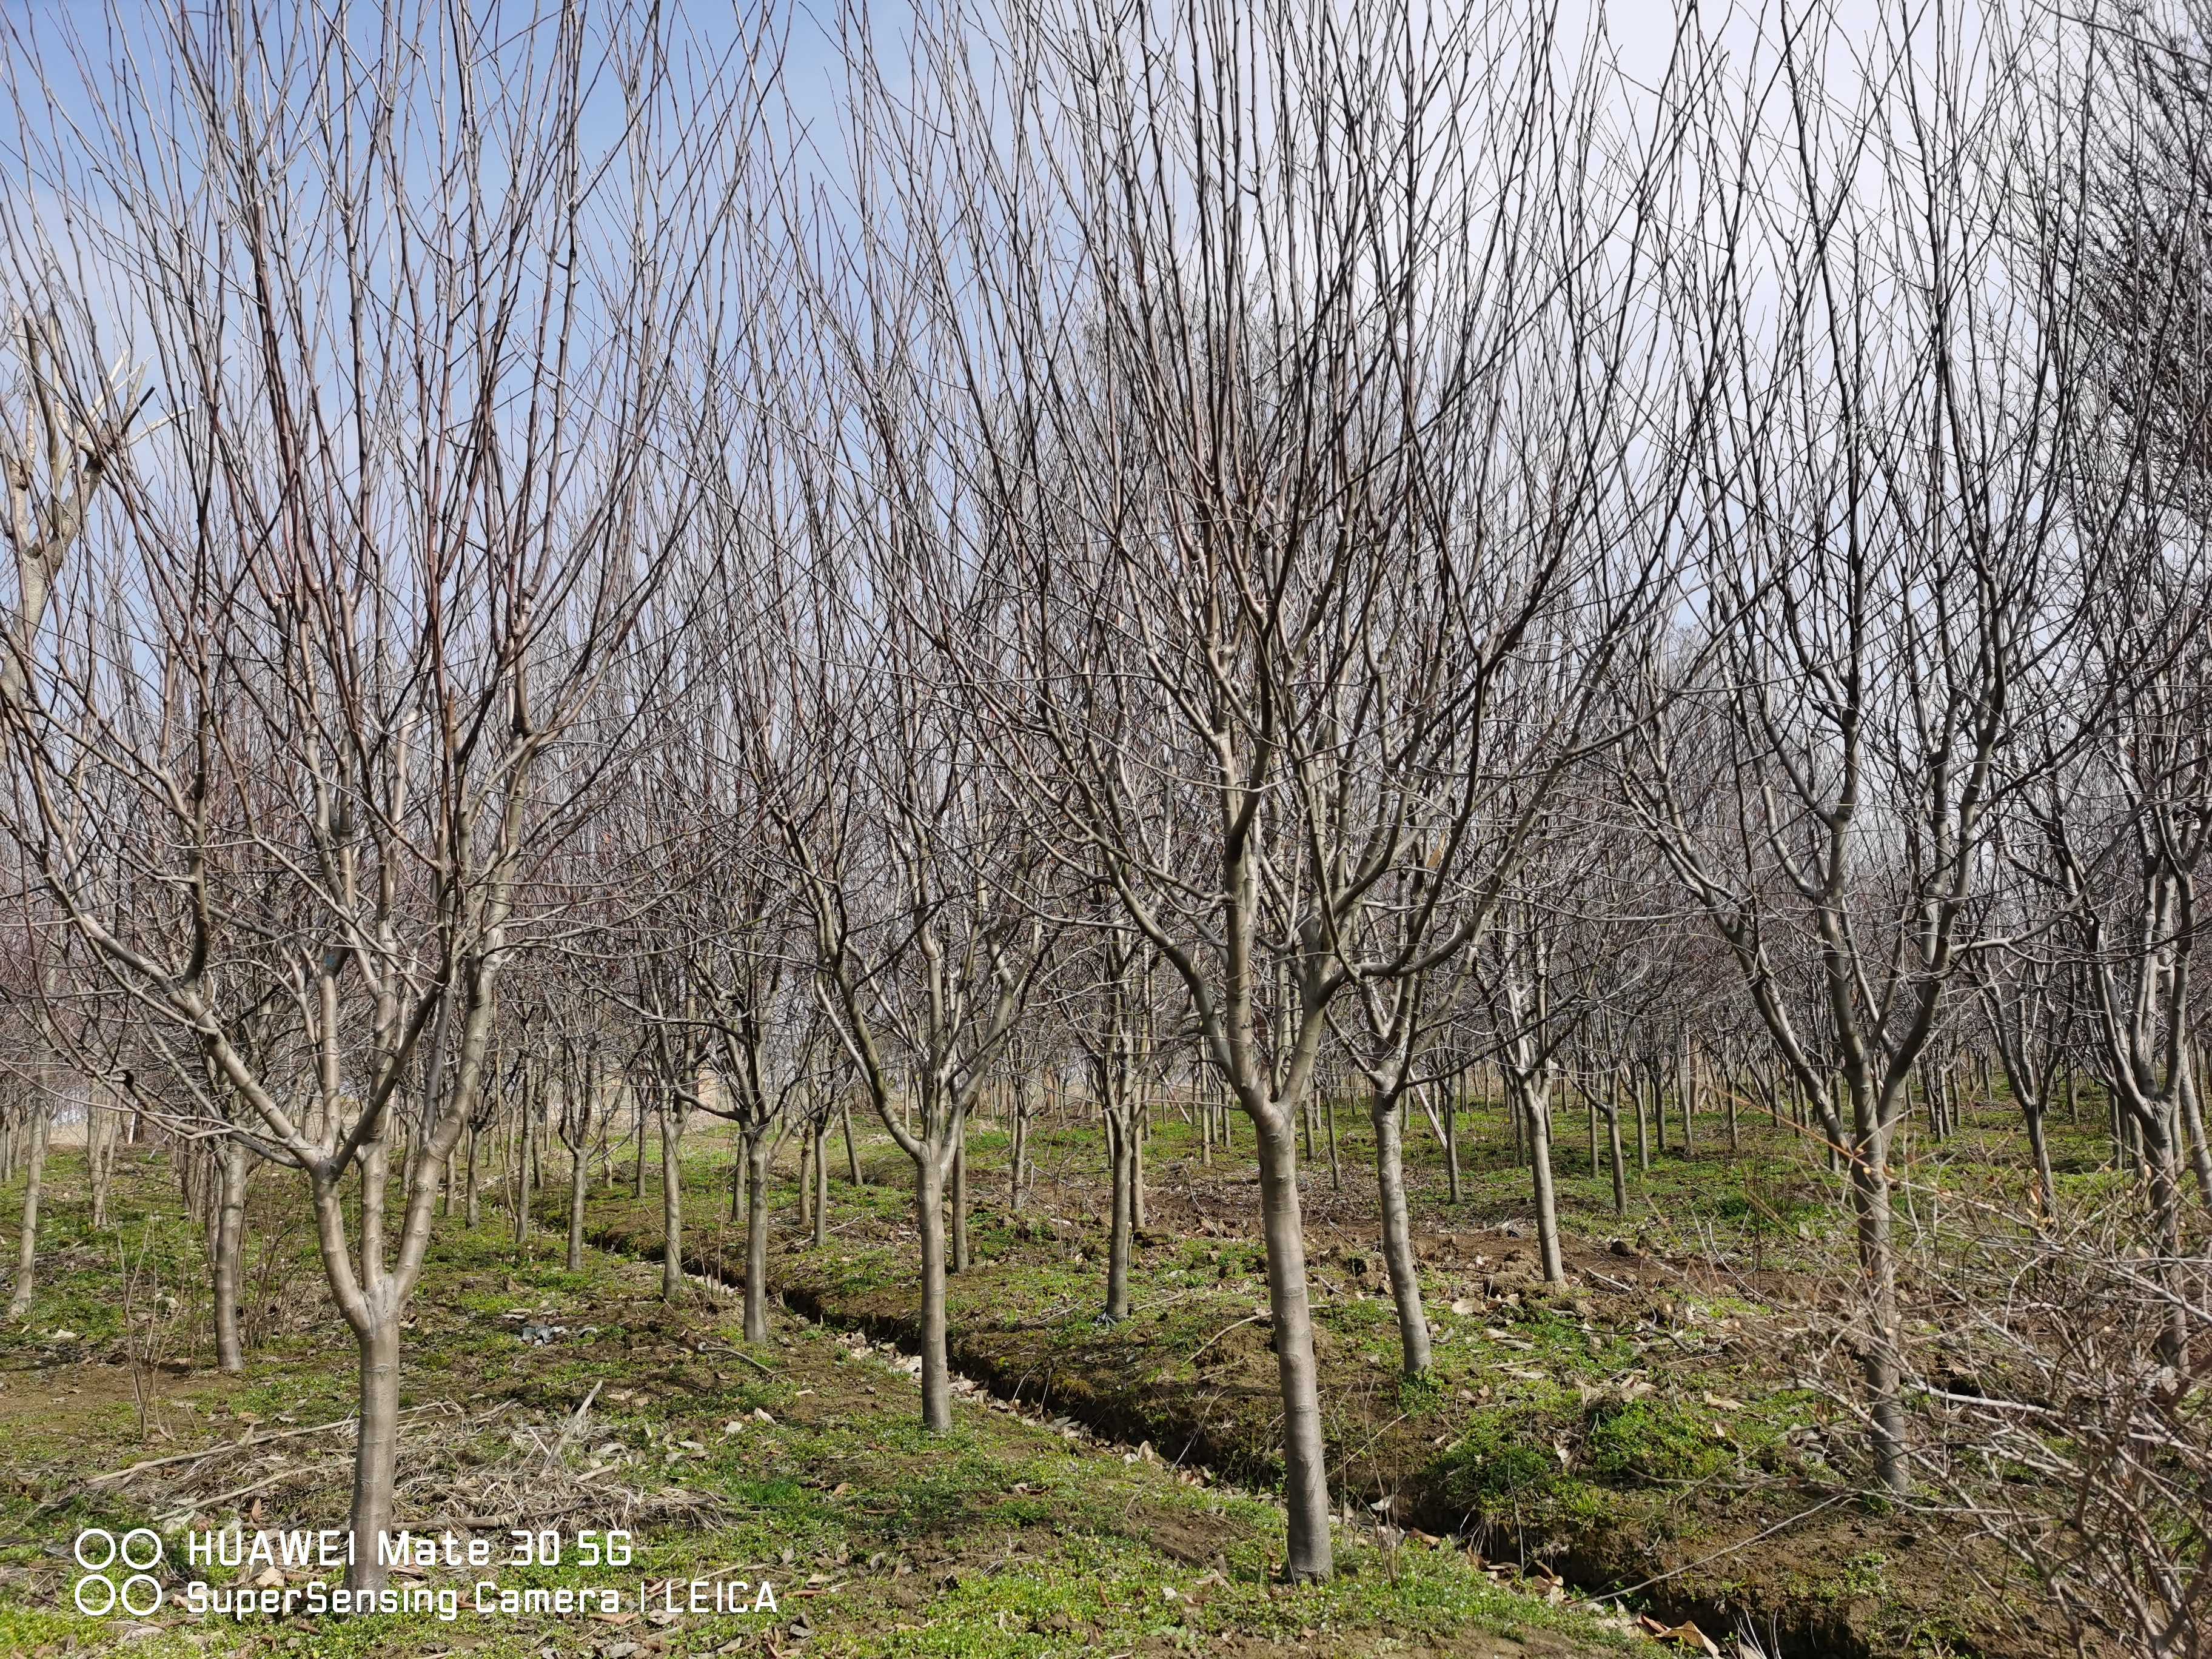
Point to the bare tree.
(1286, 417)
(1876, 505)
(363, 586)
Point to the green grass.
(1003, 1537)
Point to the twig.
(199, 1503)
(739, 1353)
(205, 1452)
(209, 1451)
(576, 1420)
(1249, 1319)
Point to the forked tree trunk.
(1413, 1353)
(756, 1151)
(27, 1247)
(936, 1368)
(1311, 1553)
(228, 1263)
(671, 1210)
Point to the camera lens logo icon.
(104, 1557)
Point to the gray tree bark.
(820, 1182)
(1413, 1350)
(960, 1199)
(579, 1174)
(227, 1263)
(671, 1207)
(936, 1367)
(1121, 1216)
(1305, 1468)
(26, 1246)
(757, 1152)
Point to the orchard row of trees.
(1219, 546)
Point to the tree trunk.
(757, 1151)
(671, 1212)
(1688, 1086)
(2192, 1127)
(2046, 1190)
(1878, 1351)
(960, 1199)
(1138, 1122)
(102, 1132)
(1643, 1134)
(806, 1180)
(376, 1456)
(852, 1152)
(472, 1206)
(1020, 1149)
(1121, 1216)
(820, 1182)
(1305, 1467)
(522, 1186)
(1335, 1169)
(1413, 1355)
(579, 1173)
(1612, 1140)
(936, 1369)
(2161, 1162)
(1536, 1107)
(228, 1262)
(1452, 1144)
(26, 1248)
